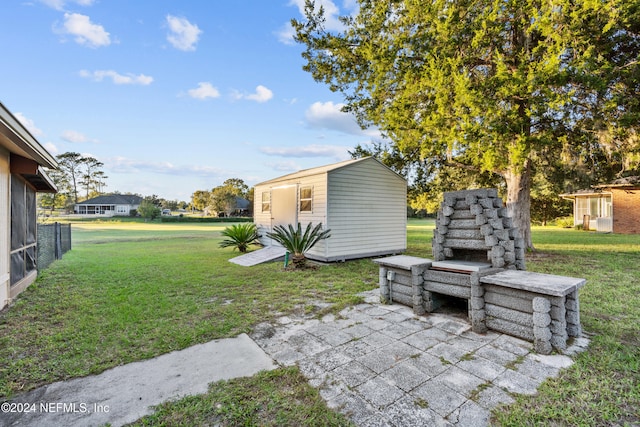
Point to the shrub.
(298, 243)
(240, 236)
(565, 222)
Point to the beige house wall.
(5, 226)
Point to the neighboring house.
(22, 160)
(242, 207)
(362, 201)
(613, 207)
(108, 205)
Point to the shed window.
(306, 198)
(266, 201)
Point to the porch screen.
(23, 229)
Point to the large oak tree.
(485, 85)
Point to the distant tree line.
(81, 177)
(78, 178)
(223, 199)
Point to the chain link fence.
(54, 240)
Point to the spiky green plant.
(240, 236)
(297, 242)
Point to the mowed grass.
(603, 387)
(132, 291)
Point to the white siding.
(5, 225)
(367, 211)
(363, 202)
(319, 205)
(261, 219)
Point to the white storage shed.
(362, 201)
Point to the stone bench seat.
(542, 283)
(543, 308)
(537, 307)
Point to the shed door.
(284, 205)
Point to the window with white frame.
(266, 201)
(306, 198)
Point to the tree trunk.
(519, 201)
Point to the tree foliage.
(148, 208)
(62, 198)
(223, 198)
(80, 172)
(485, 86)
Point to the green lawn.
(130, 290)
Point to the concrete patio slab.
(123, 394)
(398, 369)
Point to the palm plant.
(297, 242)
(240, 236)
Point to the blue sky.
(173, 96)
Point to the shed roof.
(113, 199)
(326, 169)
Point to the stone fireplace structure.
(479, 256)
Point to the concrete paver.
(383, 366)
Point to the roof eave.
(21, 141)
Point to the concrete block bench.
(542, 308)
(401, 280)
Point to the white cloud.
(117, 78)
(29, 124)
(205, 90)
(125, 165)
(284, 166)
(183, 35)
(262, 94)
(51, 148)
(74, 137)
(285, 34)
(86, 32)
(314, 150)
(59, 4)
(327, 115)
